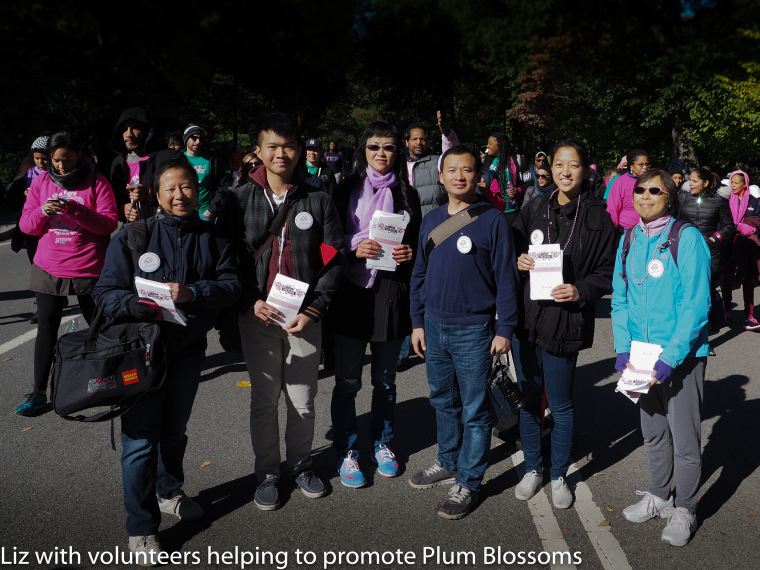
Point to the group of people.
(459, 294)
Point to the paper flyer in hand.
(287, 295)
(161, 294)
(387, 230)
(633, 383)
(547, 273)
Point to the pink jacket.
(620, 201)
(72, 244)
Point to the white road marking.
(607, 548)
(27, 336)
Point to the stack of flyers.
(161, 294)
(547, 273)
(387, 230)
(635, 381)
(287, 295)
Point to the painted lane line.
(27, 336)
(545, 521)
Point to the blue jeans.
(538, 370)
(406, 348)
(153, 444)
(349, 359)
(457, 361)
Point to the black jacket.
(383, 312)
(190, 255)
(588, 263)
(248, 215)
(711, 215)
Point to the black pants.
(49, 313)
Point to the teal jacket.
(670, 309)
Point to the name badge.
(656, 268)
(304, 221)
(464, 244)
(537, 237)
(149, 262)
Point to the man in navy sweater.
(457, 289)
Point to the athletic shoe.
(751, 324)
(182, 506)
(33, 402)
(679, 528)
(267, 497)
(650, 507)
(387, 465)
(561, 495)
(146, 550)
(458, 503)
(311, 485)
(350, 474)
(432, 476)
(528, 486)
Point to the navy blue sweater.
(467, 288)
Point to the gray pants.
(280, 363)
(671, 421)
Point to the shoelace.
(679, 520)
(458, 494)
(385, 453)
(148, 542)
(651, 508)
(268, 482)
(434, 469)
(351, 463)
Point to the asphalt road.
(60, 482)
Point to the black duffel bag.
(110, 365)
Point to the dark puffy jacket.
(589, 263)
(189, 255)
(711, 215)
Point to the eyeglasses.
(385, 147)
(642, 164)
(654, 190)
(543, 176)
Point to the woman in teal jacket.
(664, 301)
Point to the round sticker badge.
(537, 237)
(149, 262)
(304, 221)
(656, 268)
(464, 244)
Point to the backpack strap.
(137, 240)
(448, 228)
(674, 238)
(624, 253)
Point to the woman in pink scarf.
(740, 262)
(371, 306)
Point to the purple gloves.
(622, 360)
(662, 372)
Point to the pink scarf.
(739, 207)
(374, 195)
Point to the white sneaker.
(561, 495)
(146, 550)
(182, 506)
(528, 486)
(679, 528)
(650, 507)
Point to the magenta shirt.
(620, 201)
(72, 244)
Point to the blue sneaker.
(266, 497)
(387, 465)
(33, 402)
(350, 474)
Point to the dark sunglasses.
(544, 176)
(654, 190)
(385, 147)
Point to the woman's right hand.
(53, 207)
(267, 314)
(368, 249)
(525, 262)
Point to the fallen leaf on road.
(27, 428)
(565, 529)
(600, 473)
(7, 359)
(611, 510)
(205, 464)
(604, 523)
(751, 515)
(244, 384)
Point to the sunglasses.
(544, 176)
(385, 147)
(654, 190)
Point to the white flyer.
(287, 295)
(634, 382)
(161, 294)
(547, 273)
(387, 230)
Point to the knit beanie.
(40, 144)
(191, 130)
